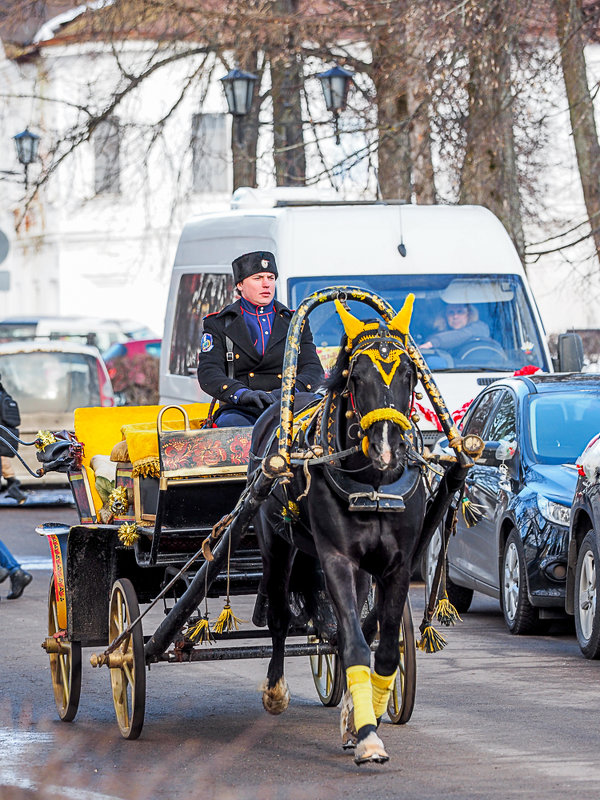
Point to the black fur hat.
(252, 264)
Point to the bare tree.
(489, 173)
(570, 33)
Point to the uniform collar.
(249, 308)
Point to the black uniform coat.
(250, 369)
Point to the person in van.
(462, 325)
(242, 347)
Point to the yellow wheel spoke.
(55, 618)
(63, 670)
(129, 674)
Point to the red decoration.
(530, 369)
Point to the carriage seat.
(100, 429)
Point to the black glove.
(257, 398)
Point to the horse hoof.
(347, 727)
(277, 698)
(370, 749)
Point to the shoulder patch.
(206, 343)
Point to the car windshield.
(53, 382)
(561, 425)
(500, 332)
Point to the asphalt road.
(496, 716)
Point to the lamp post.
(27, 144)
(239, 91)
(335, 84)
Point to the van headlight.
(553, 512)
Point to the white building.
(100, 235)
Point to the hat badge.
(264, 263)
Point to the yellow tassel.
(446, 613)
(148, 467)
(128, 534)
(472, 512)
(431, 641)
(365, 445)
(200, 632)
(227, 621)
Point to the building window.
(210, 153)
(107, 146)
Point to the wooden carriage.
(173, 483)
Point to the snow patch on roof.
(52, 26)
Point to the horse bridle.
(383, 347)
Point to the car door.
(472, 551)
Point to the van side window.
(198, 294)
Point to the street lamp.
(27, 144)
(335, 84)
(239, 90)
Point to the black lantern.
(27, 144)
(239, 89)
(335, 84)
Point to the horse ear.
(352, 325)
(401, 321)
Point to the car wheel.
(587, 616)
(460, 597)
(520, 616)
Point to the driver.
(463, 324)
(242, 347)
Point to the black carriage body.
(184, 514)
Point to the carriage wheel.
(65, 665)
(402, 696)
(128, 679)
(327, 676)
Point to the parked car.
(49, 380)
(583, 566)
(96, 331)
(133, 369)
(535, 428)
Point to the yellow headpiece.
(354, 327)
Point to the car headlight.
(553, 512)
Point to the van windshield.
(463, 323)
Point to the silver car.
(49, 380)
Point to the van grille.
(431, 437)
(486, 381)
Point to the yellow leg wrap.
(382, 686)
(359, 683)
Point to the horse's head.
(381, 378)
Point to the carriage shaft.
(254, 651)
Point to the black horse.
(356, 501)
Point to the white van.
(444, 254)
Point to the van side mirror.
(570, 352)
